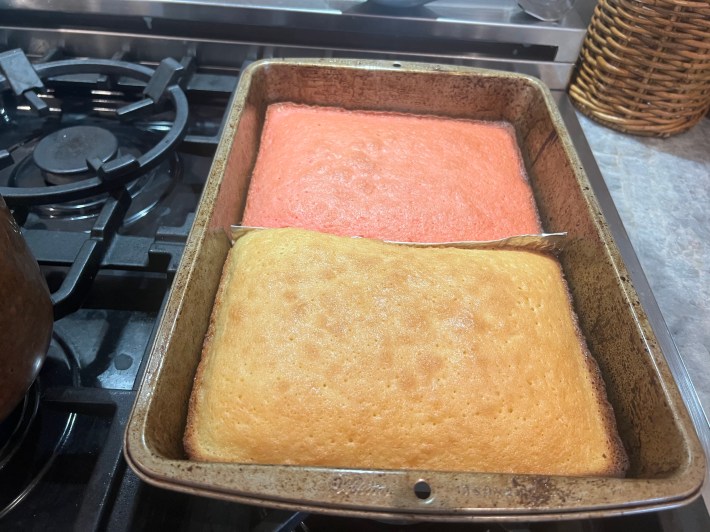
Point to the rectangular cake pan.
(667, 461)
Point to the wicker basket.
(645, 66)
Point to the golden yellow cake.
(343, 352)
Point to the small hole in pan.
(397, 65)
(422, 490)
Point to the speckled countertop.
(661, 188)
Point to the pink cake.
(389, 176)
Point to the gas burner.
(61, 157)
(82, 149)
(67, 152)
(146, 193)
(32, 436)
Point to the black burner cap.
(66, 151)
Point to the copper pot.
(26, 317)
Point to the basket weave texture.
(645, 66)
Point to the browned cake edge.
(191, 442)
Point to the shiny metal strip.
(229, 55)
(470, 20)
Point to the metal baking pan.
(667, 461)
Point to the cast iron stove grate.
(73, 165)
(76, 149)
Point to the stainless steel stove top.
(483, 33)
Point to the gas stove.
(110, 114)
(103, 170)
